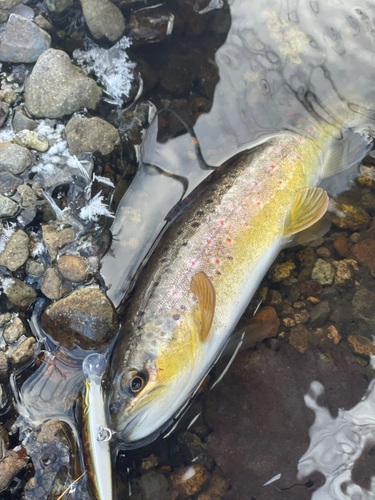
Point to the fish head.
(156, 380)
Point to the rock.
(85, 318)
(343, 273)
(178, 75)
(57, 88)
(217, 486)
(323, 272)
(91, 135)
(4, 16)
(150, 462)
(103, 19)
(341, 245)
(14, 159)
(282, 271)
(14, 331)
(55, 239)
(24, 351)
(73, 268)
(43, 23)
(319, 313)
(9, 183)
(323, 252)
(27, 194)
(276, 298)
(4, 365)
(8, 95)
(58, 5)
(32, 140)
(350, 217)
(50, 430)
(151, 24)
(4, 110)
(355, 237)
(268, 315)
(302, 316)
(10, 466)
(22, 122)
(328, 294)
(23, 41)
(364, 309)
(51, 286)
(362, 345)
(364, 251)
(34, 269)
(299, 338)
(16, 251)
(334, 334)
(194, 450)
(5, 318)
(192, 478)
(19, 293)
(8, 4)
(288, 322)
(306, 256)
(150, 486)
(8, 207)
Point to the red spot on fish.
(274, 150)
(229, 240)
(280, 182)
(208, 242)
(210, 277)
(234, 206)
(272, 166)
(221, 223)
(217, 261)
(174, 292)
(246, 224)
(327, 118)
(257, 204)
(298, 157)
(192, 263)
(311, 129)
(255, 183)
(300, 139)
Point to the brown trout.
(206, 268)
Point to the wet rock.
(32, 140)
(217, 486)
(34, 269)
(50, 430)
(364, 309)
(328, 294)
(299, 338)
(4, 110)
(14, 331)
(306, 256)
(10, 466)
(194, 450)
(343, 273)
(91, 135)
(355, 237)
(23, 122)
(22, 41)
(5, 318)
(350, 217)
(302, 316)
(14, 159)
(362, 345)
(341, 245)
(282, 271)
(56, 87)
(267, 315)
(323, 252)
(55, 239)
(51, 286)
(9, 183)
(192, 478)
(43, 23)
(364, 251)
(73, 268)
(104, 19)
(58, 5)
(319, 313)
(85, 317)
(4, 365)
(27, 194)
(178, 75)
(288, 322)
(8, 95)
(150, 486)
(150, 462)
(275, 298)
(151, 24)
(4, 16)
(16, 251)
(24, 351)
(8, 4)
(323, 272)
(334, 334)
(8, 207)
(19, 293)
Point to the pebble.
(22, 122)
(362, 345)
(334, 334)
(288, 322)
(306, 256)
(319, 314)
(34, 269)
(150, 462)
(14, 331)
(24, 351)
(32, 140)
(10, 466)
(299, 338)
(91, 135)
(364, 251)
(58, 5)
(9, 183)
(43, 23)
(5, 318)
(310, 288)
(8, 4)
(23, 41)
(104, 19)
(4, 110)
(51, 286)
(19, 293)
(341, 246)
(27, 194)
(364, 308)
(150, 486)
(151, 24)
(192, 478)
(323, 272)
(55, 239)
(282, 271)
(4, 16)
(343, 273)
(8, 95)
(195, 450)
(355, 237)
(57, 88)
(72, 267)
(323, 252)
(275, 298)
(50, 430)
(302, 316)
(217, 486)
(353, 218)
(16, 251)
(14, 158)
(313, 300)
(66, 320)
(8, 207)
(4, 364)
(267, 315)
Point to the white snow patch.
(5, 282)
(95, 208)
(8, 230)
(6, 135)
(38, 249)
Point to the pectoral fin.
(204, 291)
(309, 205)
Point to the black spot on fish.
(140, 314)
(200, 213)
(156, 283)
(164, 260)
(230, 257)
(176, 317)
(179, 232)
(208, 202)
(218, 273)
(195, 224)
(185, 243)
(183, 308)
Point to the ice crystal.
(8, 230)
(95, 208)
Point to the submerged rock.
(190, 478)
(364, 309)
(14, 331)
(22, 122)
(34, 269)
(10, 466)
(57, 88)
(51, 286)
(55, 239)
(22, 41)
(104, 19)
(58, 5)
(14, 158)
(323, 272)
(72, 267)
(16, 251)
(350, 217)
(9, 183)
(19, 293)
(364, 251)
(91, 135)
(85, 318)
(151, 24)
(24, 351)
(31, 139)
(8, 4)
(4, 110)
(27, 194)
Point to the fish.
(95, 435)
(206, 268)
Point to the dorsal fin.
(204, 291)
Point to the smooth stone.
(8, 4)
(51, 286)
(23, 41)
(24, 351)
(4, 111)
(34, 269)
(55, 239)
(43, 23)
(22, 122)
(9, 183)
(8, 207)
(91, 135)
(14, 331)
(23, 11)
(85, 318)
(72, 267)
(58, 5)
(8, 95)
(319, 313)
(57, 88)
(16, 251)
(5, 318)
(14, 158)
(364, 309)
(364, 251)
(104, 19)
(19, 293)
(4, 16)
(27, 194)
(31, 139)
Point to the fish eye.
(137, 383)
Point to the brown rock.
(364, 251)
(282, 271)
(341, 245)
(217, 486)
(16, 251)
(73, 268)
(350, 217)
(191, 478)
(302, 316)
(334, 334)
(268, 315)
(3, 363)
(50, 430)
(51, 286)
(288, 322)
(362, 345)
(299, 338)
(306, 256)
(24, 351)
(55, 239)
(310, 288)
(323, 252)
(10, 466)
(14, 331)
(19, 293)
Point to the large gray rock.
(23, 41)
(8, 4)
(14, 158)
(58, 5)
(91, 134)
(104, 19)
(57, 88)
